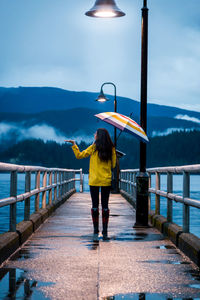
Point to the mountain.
(38, 99)
(83, 120)
(56, 114)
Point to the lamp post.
(142, 176)
(102, 98)
(108, 8)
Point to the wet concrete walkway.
(61, 261)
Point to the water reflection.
(22, 254)
(146, 296)
(93, 245)
(14, 284)
(171, 262)
(166, 247)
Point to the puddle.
(111, 215)
(195, 286)
(137, 236)
(194, 273)
(37, 246)
(14, 284)
(146, 296)
(22, 254)
(126, 238)
(93, 245)
(170, 262)
(27, 253)
(166, 247)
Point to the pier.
(60, 260)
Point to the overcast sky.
(52, 43)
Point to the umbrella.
(123, 123)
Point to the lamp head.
(102, 97)
(105, 9)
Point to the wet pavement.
(61, 260)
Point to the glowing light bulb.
(101, 100)
(105, 14)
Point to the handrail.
(128, 188)
(179, 169)
(57, 182)
(22, 168)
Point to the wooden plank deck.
(132, 264)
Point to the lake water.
(177, 207)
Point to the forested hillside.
(179, 148)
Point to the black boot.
(105, 218)
(95, 219)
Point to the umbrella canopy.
(124, 123)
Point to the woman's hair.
(104, 144)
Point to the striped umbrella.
(124, 123)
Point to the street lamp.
(111, 10)
(105, 9)
(102, 98)
(142, 176)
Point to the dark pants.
(105, 192)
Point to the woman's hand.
(70, 141)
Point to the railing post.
(186, 208)
(59, 187)
(124, 183)
(44, 194)
(50, 191)
(70, 183)
(73, 181)
(65, 185)
(126, 176)
(132, 196)
(27, 201)
(134, 187)
(37, 186)
(128, 183)
(62, 186)
(121, 178)
(13, 207)
(149, 196)
(81, 180)
(169, 201)
(55, 189)
(12, 283)
(157, 196)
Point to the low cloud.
(170, 130)
(81, 138)
(18, 132)
(188, 118)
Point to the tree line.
(178, 148)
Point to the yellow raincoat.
(99, 171)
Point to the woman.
(102, 159)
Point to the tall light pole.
(108, 8)
(102, 98)
(142, 176)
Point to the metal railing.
(128, 188)
(53, 184)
